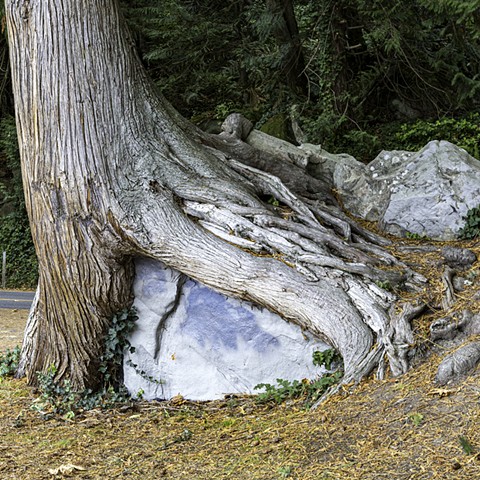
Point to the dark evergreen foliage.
(364, 63)
(15, 237)
(357, 76)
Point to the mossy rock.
(279, 126)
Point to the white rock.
(203, 345)
(427, 193)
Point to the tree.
(113, 172)
(285, 31)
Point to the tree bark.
(112, 172)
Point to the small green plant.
(384, 285)
(273, 201)
(116, 343)
(416, 418)
(326, 358)
(55, 398)
(467, 447)
(280, 392)
(142, 373)
(59, 398)
(415, 236)
(222, 110)
(471, 228)
(285, 472)
(9, 362)
(311, 390)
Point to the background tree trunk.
(288, 38)
(111, 172)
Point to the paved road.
(12, 299)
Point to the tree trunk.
(112, 172)
(288, 38)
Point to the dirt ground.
(403, 428)
(12, 324)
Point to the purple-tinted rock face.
(201, 344)
(217, 333)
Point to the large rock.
(193, 341)
(437, 187)
(426, 193)
(364, 189)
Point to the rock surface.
(198, 343)
(426, 193)
(439, 185)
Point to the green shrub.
(410, 136)
(59, 398)
(16, 241)
(13, 189)
(189, 50)
(472, 224)
(9, 362)
(464, 132)
(15, 236)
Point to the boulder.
(435, 188)
(364, 189)
(193, 341)
(425, 193)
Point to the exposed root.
(449, 296)
(320, 242)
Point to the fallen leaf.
(65, 469)
(177, 400)
(441, 392)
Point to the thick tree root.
(458, 363)
(336, 270)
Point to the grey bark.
(112, 172)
